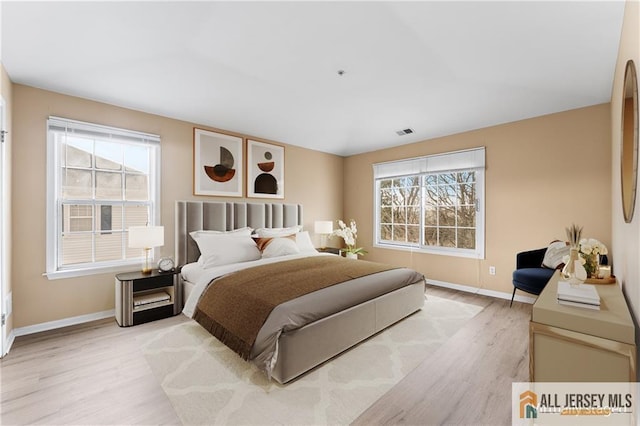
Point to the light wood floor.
(468, 380)
(95, 374)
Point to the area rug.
(209, 384)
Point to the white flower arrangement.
(349, 234)
(589, 250)
(590, 246)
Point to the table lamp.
(146, 238)
(324, 228)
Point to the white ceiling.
(269, 69)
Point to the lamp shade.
(323, 227)
(146, 236)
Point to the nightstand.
(332, 250)
(142, 297)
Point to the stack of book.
(150, 300)
(582, 296)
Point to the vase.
(351, 256)
(591, 264)
(573, 271)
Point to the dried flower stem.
(573, 235)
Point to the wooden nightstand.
(142, 297)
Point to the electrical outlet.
(492, 270)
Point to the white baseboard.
(482, 291)
(65, 322)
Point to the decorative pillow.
(224, 249)
(304, 242)
(277, 246)
(554, 254)
(277, 232)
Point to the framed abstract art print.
(265, 170)
(217, 164)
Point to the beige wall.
(626, 236)
(312, 178)
(542, 175)
(7, 94)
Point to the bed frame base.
(301, 350)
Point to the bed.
(343, 314)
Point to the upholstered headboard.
(227, 216)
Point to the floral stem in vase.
(573, 270)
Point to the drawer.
(153, 282)
(152, 314)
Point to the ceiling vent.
(404, 132)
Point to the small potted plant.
(349, 235)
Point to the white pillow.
(277, 232)
(224, 249)
(554, 254)
(246, 231)
(303, 240)
(277, 246)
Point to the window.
(100, 181)
(433, 204)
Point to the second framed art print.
(265, 170)
(217, 164)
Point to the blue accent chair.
(530, 275)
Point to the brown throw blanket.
(235, 306)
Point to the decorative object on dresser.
(581, 296)
(590, 250)
(324, 228)
(604, 273)
(142, 297)
(570, 344)
(146, 238)
(573, 271)
(265, 170)
(217, 164)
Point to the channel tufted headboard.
(227, 216)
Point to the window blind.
(451, 161)
(80, 128)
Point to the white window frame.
(466, 160)
(53, 223)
